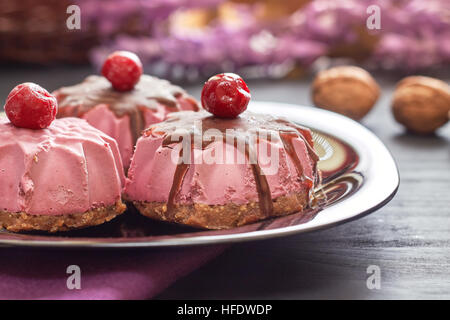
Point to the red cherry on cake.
(225, 95)
(30, 106)
(123, 69)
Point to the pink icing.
(152, 172)
(67, 168)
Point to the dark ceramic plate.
(359, 177)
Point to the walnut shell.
(421, 104)
(348, 90)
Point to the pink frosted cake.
(66, 176)
(123, 114)
(166, 185)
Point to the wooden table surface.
(408, 239)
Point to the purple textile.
(122, 274)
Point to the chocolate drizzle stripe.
(137, 124)
(178, 178)
(288, 146)
(262, 186)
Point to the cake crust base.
(21, 221)
(221, 216)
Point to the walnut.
(421, 104)
(348, 90)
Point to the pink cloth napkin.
(132, 274)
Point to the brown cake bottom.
(221, 216)
(22, 221)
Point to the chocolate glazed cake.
(228, 194)
(123, 115)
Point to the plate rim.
(246, 236)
